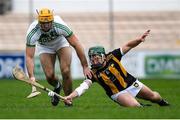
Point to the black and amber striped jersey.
(113, 77)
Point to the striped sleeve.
(61, 27)
(117, 53)
(30, 35)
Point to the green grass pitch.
(93, 104)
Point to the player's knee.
(66, 73)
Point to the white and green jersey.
(36, 35)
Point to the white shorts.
(53, 47)
(133, 90)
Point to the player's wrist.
(85, 66)
(32, 78)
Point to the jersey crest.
(47, 37)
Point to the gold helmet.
(45, 15)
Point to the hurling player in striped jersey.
(119, 85)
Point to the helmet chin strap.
(97, 66)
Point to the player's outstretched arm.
(133, 43)
(78, 91)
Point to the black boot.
(163, 103)
(55, 99)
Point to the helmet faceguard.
(45, 19)
(45, 15)
(96, 56)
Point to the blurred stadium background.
(110, 23)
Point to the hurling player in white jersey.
(53, 38)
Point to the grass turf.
(93, 104)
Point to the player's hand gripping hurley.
(20, 75)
